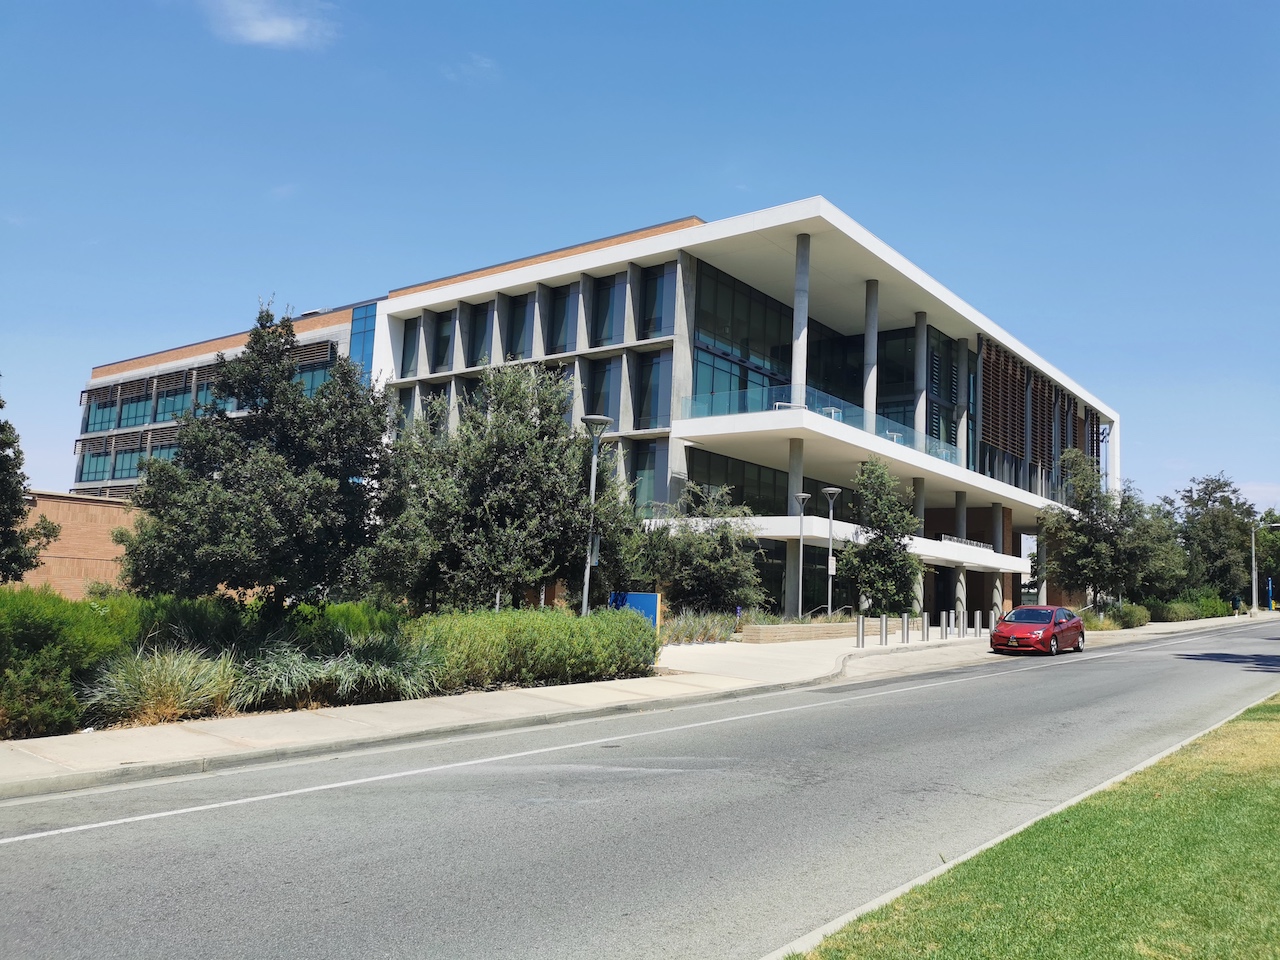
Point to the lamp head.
(802, 499)
(832, 493)
(596, 423)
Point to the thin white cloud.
(283, 24)
(283, 191)
(476, 70)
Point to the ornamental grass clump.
(160, 685)
(699, 628)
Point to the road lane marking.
(559, 748)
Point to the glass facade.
(95, 466)
(658, 302)
(608, 311)
(406, 406)
(735, 319)
(409, 347)
(441, 340)
(312, 376)
(477, 346)
(652, 402)
(205, 398)
(562, 325)
(126, 464)
(518, 341)
(649, 474)
(100, 416)
(763, 489)
(715, 374)
(604, 388)
(165, 451)
(171, 404)
(362, 327)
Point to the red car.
(1047, 629)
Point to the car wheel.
(1053, 646)
(1080, 643)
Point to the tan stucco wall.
(84, 553)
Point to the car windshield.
(1028, 615)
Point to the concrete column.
(452, 397)
(917, 503)
(962, 404)
(1042, 552)
(682, 345)
(921, 424)
(586, 303)
(500, 323)
(997, 596)
(631, 312)
(870, 355)
(917, 597)
(962, 514)
(542, 298)
(795, 484)
(800, 323)
(1113, 457)
(579, 391)
(962, 596)
(627, 377)
(457, 349)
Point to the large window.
(478, 334)
(658, 305)
(440, 342)
(363, 321)
(653, 390)
(136, 408)
(95, 465)
(562, 325)
(171, 404)
(604, 385)
(409, 347)
(763, 489)
(608, 310)
(519, 334)
(126, 464)
(649, 474)
(101, 416)
(725, 386)
(165, 451)
(312, 376)
(737, 319)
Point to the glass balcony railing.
(765, 399)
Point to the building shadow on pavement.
(1254, 662)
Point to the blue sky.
(1098, 178)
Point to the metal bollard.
(951, 623)
(884, 630)
(862, 631)
(924, 625)
(906, 629)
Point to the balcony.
(767, 399)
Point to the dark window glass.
(478, 334)
(649, 474)
(102, 416)
(312, 376)
(95, 466)
(519, 339)
(409, 348)
(406, 406)
(363, 321)
(126, 464)
(723, 320)
(608, 310)
(604, 378)
(171, 404)
(135, 410)
(653, 391)
(440, 342)
(165, 451)
(562, 325)
(658, 307)
(1028, 615)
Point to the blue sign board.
(647, 604)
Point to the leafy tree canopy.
(1215, 521)
(276, 497)
(20, 542)
(880, 569)
(701, 556)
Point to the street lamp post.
(802, 499)
(832, 493)
(596, 424)
(1253, 551)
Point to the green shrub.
(760, 616)
(37, 698)
(1213, 607)
(86, 631)
(698, 628)
(484, 649)
(1132, 615)
(1174, 612)
(1092, 621)
(155, 686)
(372, 668)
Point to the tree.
(1215, 521)
(880, 569)
(20, 541)
(702, 556)
(1268, 556)
(498, 505)
(274, 501)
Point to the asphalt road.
(719, 830)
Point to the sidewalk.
(687, 674)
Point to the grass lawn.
(1181, 860)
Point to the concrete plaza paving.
(687, 673)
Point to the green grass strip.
(1181, 860)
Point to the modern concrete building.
(773, 352)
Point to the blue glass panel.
(102, 416)
(135, 411)
(95, 466)
(126, 465)
(172, 404)
(363, 322)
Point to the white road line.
(479, 761)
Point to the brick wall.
(84, 552)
